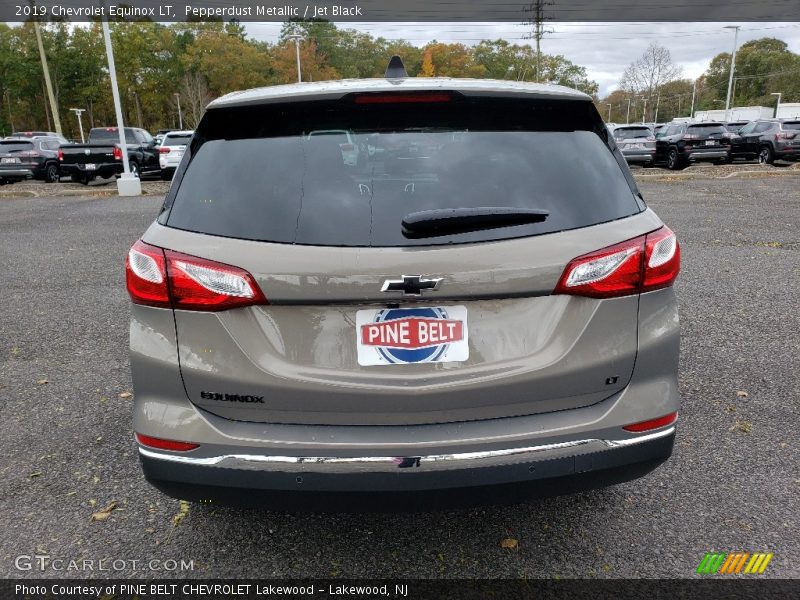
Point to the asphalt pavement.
(66, 447)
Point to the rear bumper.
(701, 155)
(639, 156)
(16, 174)
(336, 483)
(103, 170)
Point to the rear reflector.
(642, 264)
(401, 98)
(652, 423)
(168, 279)
(175, 446)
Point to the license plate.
(711, 143)
(392, 336)
(10, 161)
(90, 166)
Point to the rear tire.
(134, 167)
(51, 174)
(673, 161)
(765, 156)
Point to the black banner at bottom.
(414, 589)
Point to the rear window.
(268, 173)
(734, 127)
(791, 125)
(177, 140)
(110, 136)
(632, 132)
(15, 146)
(705, 130)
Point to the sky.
(605, 49)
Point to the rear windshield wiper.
(447, 221)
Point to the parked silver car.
(636, 142)
(496, 321)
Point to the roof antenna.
(396, 69)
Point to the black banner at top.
(402, 10)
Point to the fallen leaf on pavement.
(183, 511)
(742, 394)
(102, 515)
(509, 543)
(42, 382)
(125, 395)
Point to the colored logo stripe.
(733, 563)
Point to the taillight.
(786, 135)
(691, 136)
(117, 153)
(163, 150)
(146, 275)
(29, 154)
(60, 154)
(652, 423)
(165, 278)
(161, 444)
(642, 264)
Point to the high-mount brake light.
(642, 264)
(399, 98)
(168, 279)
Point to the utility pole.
(609, 112)
(46, 71)
(644, 111)
(297, 37)
(78, 112)
(128, 184)
(694, 89)
(180, 114)
(778, 105)
(536, 8)
(733, 66)
(628, 114)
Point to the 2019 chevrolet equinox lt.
(484, 312)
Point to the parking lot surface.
(732, 485)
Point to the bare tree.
(195, 97)
(645, 76)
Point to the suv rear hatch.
(324, 240)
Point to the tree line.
(652, 87)
(159, 66)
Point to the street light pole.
(628, 114)
(128, 184)
(644, 111)
(778, 105)
(78, 112)
(658, 101)
(609, 112)
(694, 89)
(733, 66)
(180, 114)
(297, 37)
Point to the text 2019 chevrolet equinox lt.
(484, 315)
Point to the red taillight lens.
(146, 275)
(175, 446)
(200, 284)
(662, 260)
(691, 136)
(60, 154)
(648, 262)
(163, 150)
(652, 423)
(165, 279)
(117, 153)
(402, 98)
(607, 273)
(786, 135)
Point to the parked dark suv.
(768, 140)
(29, 158)
(680, 144)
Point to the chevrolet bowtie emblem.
(411, 285)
